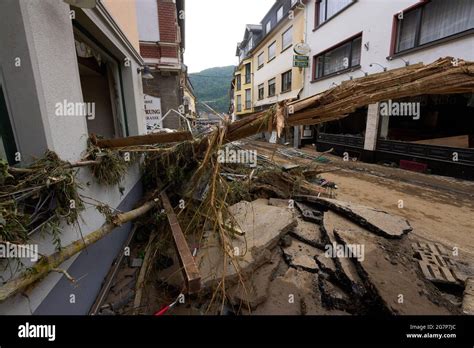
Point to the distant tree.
(212, 86)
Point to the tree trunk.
(48, 263)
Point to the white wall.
(147, 19)
(282, 63)
(374, 19)
(48, 52)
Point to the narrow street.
(440, 209)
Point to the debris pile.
(351, 259)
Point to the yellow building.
(243, 76)
(243, 88)
(275, 78)
(265, 74)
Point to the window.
(432, 21)
(239, 82)
(286, 81)
(272, 51)
(287, 38)
(344, 56)
(247, 73)
(7, 140)
(261, 91)
(279, 14)
(325, 9)
(239, 103)
(260, 60)
(268, 27)
(248, 99)
(271, 87)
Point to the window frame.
(248, 103)
(283, 81)
(121, 122)
(396, 26)
(332, 48)
(267, 29)
(248, 73)
(263, 60)
(238, 103)
(317, 9)
(261, 87)
(268, 51)
(277, 12)
(238, 82)
(283, 47)
(9, 141)
(274, 88)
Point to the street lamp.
(146, 72)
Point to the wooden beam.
(147, 139)
(191, 273)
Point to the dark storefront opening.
(353, 125)
(444, 120)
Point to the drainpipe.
(296, 130)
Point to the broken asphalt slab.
(468, 297)
(308, 213)
(394, 287)
(374, 220)
(346, 271)
(307, 232)
(301, 256)
(253, 291)
(294, 293)
(263, 226)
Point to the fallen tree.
(444, 76)
(50, 263)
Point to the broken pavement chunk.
(468, 297)
(346, 271)
(395, 287)
(301, 256)
(376, 221)
(309, 214)
(334, 297)
(436, 265)
(294, 293)
(436, 273)
(263, 225)
(278, 202)
(253, 291)
(308, 233)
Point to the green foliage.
(213, 86)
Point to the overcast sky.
(213, 28)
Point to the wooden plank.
(147, 139)
(190, 270)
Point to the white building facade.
(355, 38)
(50, 53)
